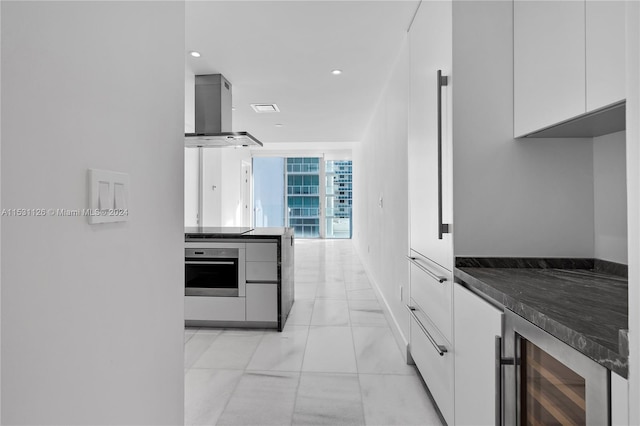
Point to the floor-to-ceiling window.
(303, 196)
(268, 192)
(338, 195)
(309, 194)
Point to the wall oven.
(215, 270)
(547, 382)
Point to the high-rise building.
(339, 198)
(303, 196)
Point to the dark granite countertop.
(582, 307)
(206, 232)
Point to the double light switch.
(108, 196)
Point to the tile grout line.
(205, 349)
(235, 387)
(355, 355)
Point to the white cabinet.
(605, 27)
(430, 197)
(262, 262)
(262, 271)
(201, 308)
(430, 41)
(434, 359)
(619, 400)
(476, 325)
(549, 63)
(569, 59)
(262, 252)
(262, 302)
(262, 277)
(432, 293)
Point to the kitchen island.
(264, 289)
(574, 300)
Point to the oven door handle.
(208, 262)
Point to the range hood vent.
(213, 116)
(222, 139)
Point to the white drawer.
(434, 297)
(200, 308)
(262, 252)
(436, 369)
(262, 271)
(262, 302)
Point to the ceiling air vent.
(263, 108)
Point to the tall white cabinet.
(430, 41)
(430, 194)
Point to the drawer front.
(262, 271)
(434, 298)
(262, 302)
(200, 308)
(262, 252)
(436, 369)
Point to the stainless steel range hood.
(213, 116)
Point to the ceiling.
(283, 52)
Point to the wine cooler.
(546, 382)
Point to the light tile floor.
(335, 363)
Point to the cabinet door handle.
(436, 277)
(441, 349)
(443, 228)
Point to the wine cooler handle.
(500, 361)
(498, 354)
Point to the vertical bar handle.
(498, 366)
(443, 81)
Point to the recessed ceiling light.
(279, 125)
(194, 54)
(233, 108)
(262, 108)
(336, 72)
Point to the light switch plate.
(108, 196)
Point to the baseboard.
(401, 339)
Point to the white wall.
(211, 187)
(513, 198)
(633, 206)
(610, 197)
(0, 218)
(222, 168)
(189, 101)
(191, 186)
(92, 315)
(191, 156)
(380, 169)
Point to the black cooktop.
(228, 230)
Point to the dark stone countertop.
(584, 308)
(206, 232)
